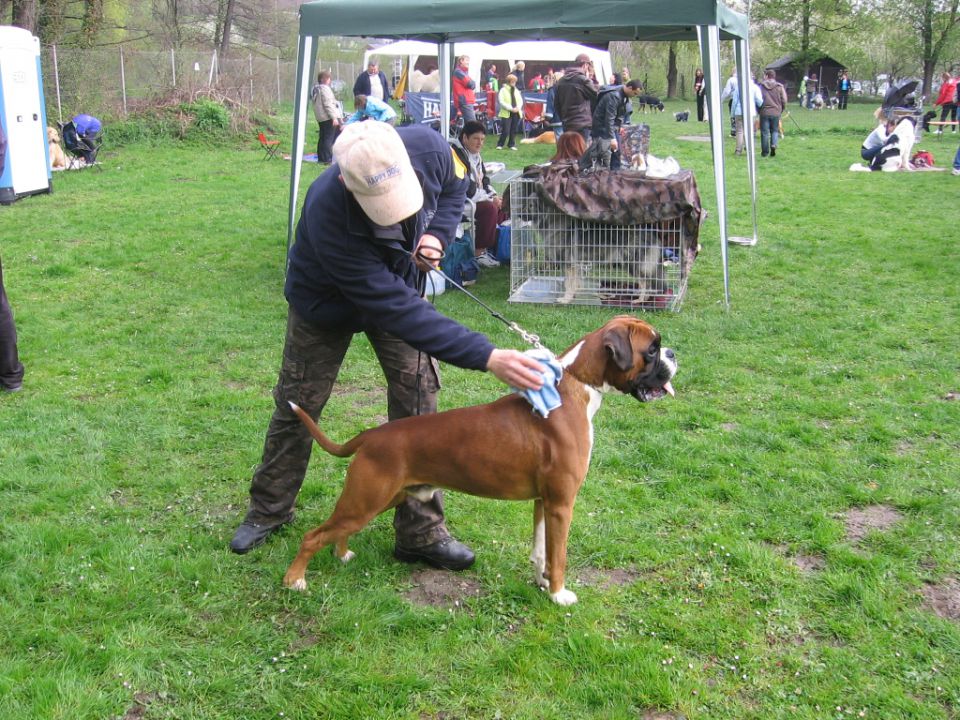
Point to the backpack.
(459, 263)
(922, 158)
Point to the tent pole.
(306, 56)
(710, 51)
(446, 73)
(745, 82)
(752, 153)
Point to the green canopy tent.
(446, 22)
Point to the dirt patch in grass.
(139, 708)
(440, 588)
(806, 563)
(606, 579)
(862, 520)
(943, 598)
(662, 715)
(809, 563)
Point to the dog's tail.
(345, 450)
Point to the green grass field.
(773, 542)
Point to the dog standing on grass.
(518, 456)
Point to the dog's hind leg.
(366, 501)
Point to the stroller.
(82, 138)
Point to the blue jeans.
(769, 132)
(956, 160)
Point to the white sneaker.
(487, 260)
(956, 171)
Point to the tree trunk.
(25, 14)
(805, 27)
(92, 22)
(672, 70)
(227, 28)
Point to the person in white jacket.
(329, 116)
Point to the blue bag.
(503, 243)
(459, 263)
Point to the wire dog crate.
(557, 258)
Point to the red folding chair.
(533, 118)
(271, 146)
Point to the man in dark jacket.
(576, 92)
(607, 118)
(372, 82)
(371, 225)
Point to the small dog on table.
(58, 160)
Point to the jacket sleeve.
(432, 157)
(330, 104)
(358, 88)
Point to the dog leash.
(527, 336)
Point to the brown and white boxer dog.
(522, 456)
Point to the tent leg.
(306, 57)
(745, 82)
(710, 50)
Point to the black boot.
(250, 535)
(446, 554)
(773, 152)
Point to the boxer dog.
(522, 456)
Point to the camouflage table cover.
(622, 197)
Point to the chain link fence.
(114, 83)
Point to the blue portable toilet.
(23, 117)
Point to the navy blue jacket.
(362, 85)
(347, 274)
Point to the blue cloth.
(547, 398)
(376, 109)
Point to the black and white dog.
(645, 101)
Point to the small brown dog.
(58, 160)
(549, 137)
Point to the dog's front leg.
(538, 555)
(558, 513)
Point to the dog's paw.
(540, 578)
(564, 597)
(300, 584)
(347, 556)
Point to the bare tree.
(672, 70)
(226, 26)
(25, 14)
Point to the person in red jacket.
(948, 100)
(464, 97)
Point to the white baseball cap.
(376, 168)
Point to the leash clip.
(528, 337)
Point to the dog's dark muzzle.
(654, 382)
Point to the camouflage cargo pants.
(311, 361)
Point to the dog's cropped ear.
(616, 341)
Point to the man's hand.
(516, 369)
(428, 252)
(614, 146)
